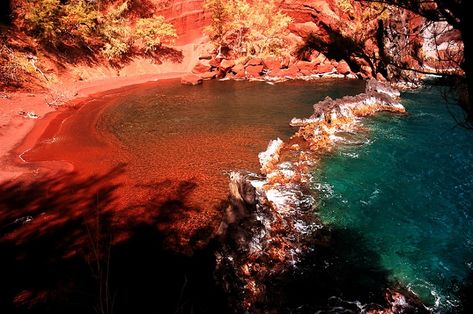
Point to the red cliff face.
(342, 33)
(187, 16)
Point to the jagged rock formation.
(269, 222)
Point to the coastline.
(24, 117)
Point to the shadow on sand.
(65, 251)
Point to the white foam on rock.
(270, 153)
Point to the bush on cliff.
(249, 29)
(152, 32)
(115, 32)
(110, 27)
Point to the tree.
(220, 20)
(90, 26)
(456, 14)
(153, 32)
(247, 28)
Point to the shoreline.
(25, 117)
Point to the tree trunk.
(383, 59)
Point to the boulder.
(226, 65)
(324, 68)
(215, 62)
(240, 74)
(285, 62)
(292, 71)
(272, 63)
(238, 68)
(276, 73)
(306, 68)
(191, 79)
(208, 75)
(313, 55)
(254, 61)
(254, 70)
(320, 58)
(293, 40)
(343, 67)
(201, 68)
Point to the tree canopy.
(258, 28)
(91, 25)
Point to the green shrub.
(154, 32)
(105, 26)
(115, 32)
(42, 19)
(256, 28)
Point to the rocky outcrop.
(325, 33)
(269, 223)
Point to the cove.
(406, 194)
(175, 145)
(180, 140)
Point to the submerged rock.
(269, 223)
(191, 79)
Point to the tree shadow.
(82, 54)
(337, 47)
(158, 56)
(341, 274)
(5, 12)
(67, 248)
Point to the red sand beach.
(19, 133)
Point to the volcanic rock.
(324, 68)
(343, 67)
(201, 68)
(254, 70)
(215, 62)
(272, 63)
(208, 75)
(226, 65)
(254, 61)
(191, 79)
(306, 68)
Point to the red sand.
(182, 197)
(14, 127)
(74, 86)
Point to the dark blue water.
(408, 193)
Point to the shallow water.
(407, 191)
(179, 142)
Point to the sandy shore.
(25, 116)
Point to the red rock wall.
(187, 16)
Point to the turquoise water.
(408, 192)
